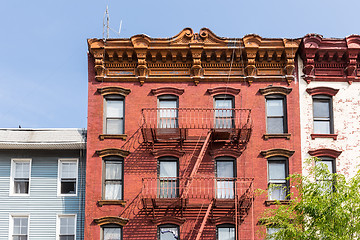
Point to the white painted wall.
(346, 110)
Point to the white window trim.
(60, 160)
(12, 173)
(58, 216)
(11, 224)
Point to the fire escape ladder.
(197, 164)
(198, 236)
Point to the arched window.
(111, 232)
(168, 232)
(225, 232)
(225, 177)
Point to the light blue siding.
(42, 205)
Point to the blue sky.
(43, 65)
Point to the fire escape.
(206, 198)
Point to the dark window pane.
(68, 186)
(23, 237)
(321, 108)
(67, 237)
(21, 186)
(275, 125)
(322, 127)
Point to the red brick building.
(181, 131)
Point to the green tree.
(326, 207)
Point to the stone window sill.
(276, 202)
(318, 135)
(111, 202)
(112, 136)
(277, 135)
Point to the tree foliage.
(326, 207)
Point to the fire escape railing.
(196, 118)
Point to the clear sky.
(43, 65)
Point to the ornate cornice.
(325, 153)
(168, 152)
(196, 57)
(168, 220)
(330, 59)
(111, 220)
(322, 90)
(275, 90)
(112, 152)
(114, 90)
(277, 152)
(223, 90)
(167, 90)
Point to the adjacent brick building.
(182, 130)
(330, 101)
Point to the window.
(168, 111)
(323, 116)
(168, 177)
(225, 232)
(20, 174)
(114, 114)
(67, 180)
(111, 232)
(168, 232)
(270, 232)
(225, 177)
(113, 180)
(224, 114)
(276, 114)
(19, 227)
(67, 227)
(329, 164)
(277, 176)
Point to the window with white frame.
(67, 176)
(19, 227)
(66, 227)
(111, 232)
(20, 171)
(113, 179)
(277, 178)
(114, 114)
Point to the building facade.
(42, 183)
(330, 101)
(181, 131)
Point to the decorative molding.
(223, 90)
(112, 136)
(322, 90)
(168, 220)
(114, 90)
(167, 90)
(275, 90)
(319, 135)
(225, 152)
(163, 152)
(222, 220)
(111, 220)
(112, 152)
(111, 202)
(325, 152)
(277, 152)
(279, 135)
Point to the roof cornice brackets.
(325, 153)
(291, 46)
(223, 90)
(111, 220)
(196, 70)
(141, 44)
(114, 90)
(277, 152)
(311, 44)
(96, 47)
(322, 90)
(353, 44)
(112, 152)
(252, 43)
(167, 90)
(275, 90)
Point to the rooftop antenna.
(106, 25)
